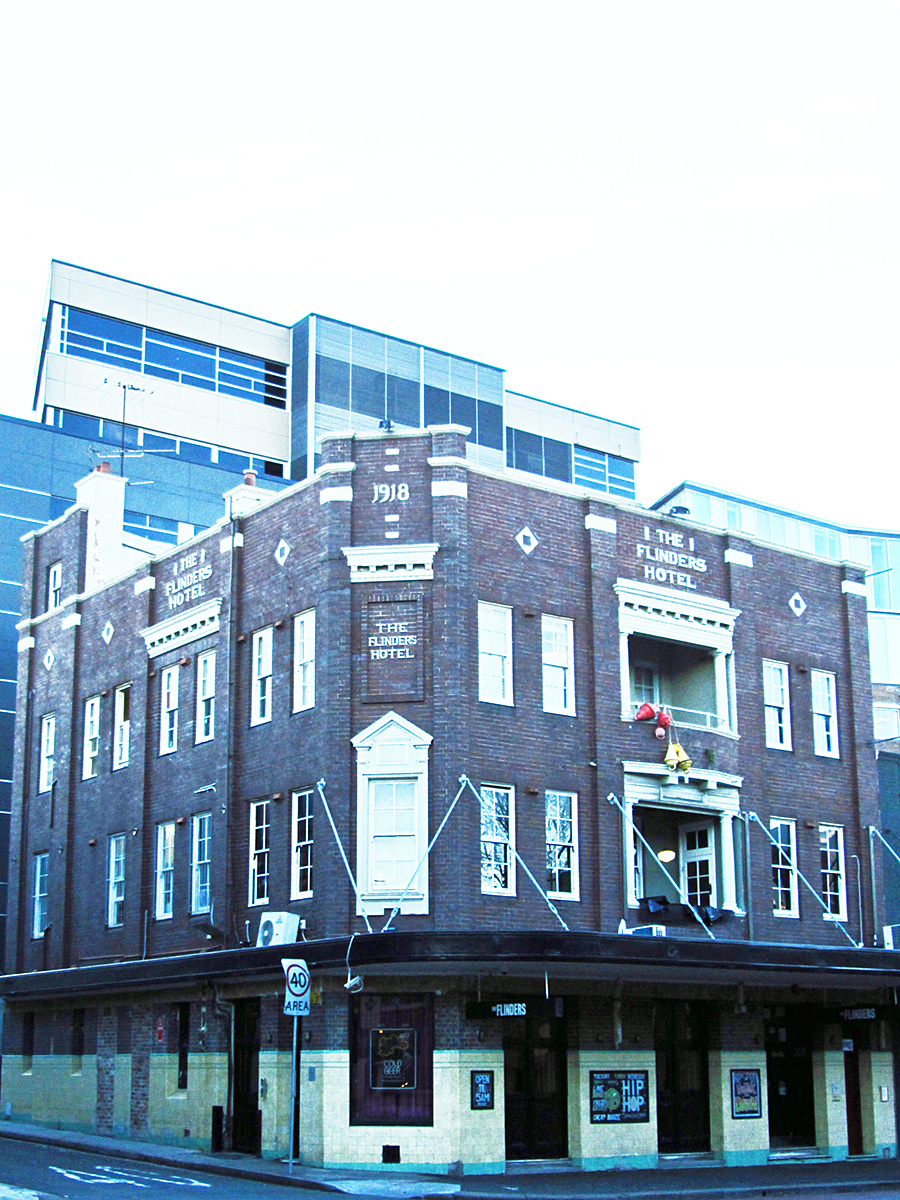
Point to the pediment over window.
(391, 729)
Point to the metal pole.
(293, 1097)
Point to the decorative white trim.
(709, 780)
(852, 588)
(740, 558)
(183, 628)
(371, 564)
(329, 494)
(663, 612)
(603, 524)
(25, 643)
(448, 460)
(450, 487)
(71, 621)
(147, 584)
(227, 543)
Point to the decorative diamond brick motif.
(49, 659)
(798, 604)
(526, 539)
(108, 630)
(282, 550)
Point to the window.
(392, 822)
(54, 585)
(165, 870)
(91, 737)
(824, 704)
(698, 864)
(168, 716)
(200, 860)
(498, 869)
(122, 727)
(495, 682)
(776, 695)
(558, 656)
(115, 880)
(644, 684)
(259, 852)
(562, 844)
(204, 725)
(834, 886)
(887, 722)
(39, 920)
(391, 1059)
(302, 843)
(305, 660)
(261, 680)
(47, 761)
(785, 902)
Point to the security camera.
(355, 984)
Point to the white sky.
(681, 214)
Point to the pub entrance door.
(247, 1131)
(789, 1033)
(534, 1067)
(680, 1034)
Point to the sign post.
(296, 1004)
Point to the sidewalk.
(533, 1183)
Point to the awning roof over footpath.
(512, 956)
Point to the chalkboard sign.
(619, 1097)
(482, 1089)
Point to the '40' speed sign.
(296, 987)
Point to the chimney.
(246, 497)
(103, 495)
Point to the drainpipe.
(748, 884)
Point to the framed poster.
(482, 1089)
(746, 1097)
(619, 1097)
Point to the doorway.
(681, 1041)
(789, 1033)
(247, 1126)
(534, 1067)
(853, 1093)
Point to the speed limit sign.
(296, 989)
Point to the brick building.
(480, 735)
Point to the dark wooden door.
(247, 1131)
(792, 1120)
(682, 1077)
(534, 1061)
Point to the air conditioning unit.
(891, 937)
(647, 931)
(277, 928)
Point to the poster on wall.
(392, 1058)
(619, 1097)
(746, 1097)
(482, 1090)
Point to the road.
(30, 1171)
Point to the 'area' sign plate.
(296, 989)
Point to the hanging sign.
(296, 987)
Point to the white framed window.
(168, 711)
(259, 852)
(47, 759)
(115, 880)
(558, 664)
(644, 683)
(495, 674)
(785, 898)
(562, 845)
(122, 727)
(824, 706)
(777, 700)
(498, 838)
(834, 878)
(261, 677)
(301, 843)
(91, 737)
(392, 815)
(54, 586)
(201, 824)
(698, 863)
(39, 895)
(165, 870)
(304, 660)
(205, 717)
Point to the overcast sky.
(681, 214)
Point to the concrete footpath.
(689, 1177)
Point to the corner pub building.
(566, 804)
